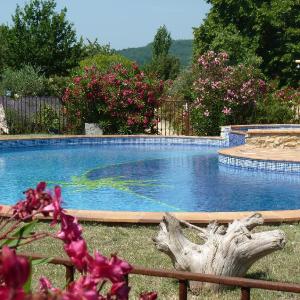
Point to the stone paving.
(258, 153)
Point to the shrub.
(104, 62)
(49, 119)
(55, 86)
(122, 100)
(280, 106)
(24, 82)
(17, 124)
(224, 94)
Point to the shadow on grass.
(258, 275)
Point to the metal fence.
(174, 118)
(33, 115)
(45, 115)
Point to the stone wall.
(279, 139)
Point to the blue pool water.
(144, 178)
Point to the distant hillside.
(142, 55)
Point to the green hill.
(142, 55)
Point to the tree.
(162, 42)
(42, 37)
(95, 48)
(265, 33)
(164, 65)
(3, 47)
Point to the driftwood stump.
(225, 251)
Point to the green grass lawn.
(134, 244)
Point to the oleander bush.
(224, 94)
(279, 106)
(122, 100)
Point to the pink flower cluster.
(14, 272)
(226, 92)
(96, 270)
(121, 99)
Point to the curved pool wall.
(259, 164)
(235, 135)
(10, 142)
(238, 135)
(17, 142)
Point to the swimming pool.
(144, 177)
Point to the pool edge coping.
(148, 218)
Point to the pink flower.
(45, 284)
(78, 253)
(113, 269)
(120, 290)
(55, 206)
(77, 79)
(14, 269)
(226, 111)
(206, 113)
(70, 229)
(148, 296)
(36, 200)
(82, 289)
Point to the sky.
(125, 24)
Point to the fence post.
(69, 273)
(182, 290)
(245, 293)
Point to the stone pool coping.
(45, 136)
(148, 218)
(262, 154)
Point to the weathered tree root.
(226, 251)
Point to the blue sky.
(123, 24)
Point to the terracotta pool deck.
(143, 218)
(251, 152)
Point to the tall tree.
(3, 47)
(162, 42)
(163, 64)
(44, 38)
(265, 32)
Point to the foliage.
(165, 67)
(224, 94)
(26, 81)
(103, 62)
(96, 270)
(122, 100)
(55, 86)
(181, 87)
(162, 64)
(94, 48)
(44, 38)
(279, 107)
(49, 119)
(3, 47)
(16, 123)
(162, 42)
(265, 32)
(181, 49)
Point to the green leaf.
(20, 233)
(40, 261)
(27, 285)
